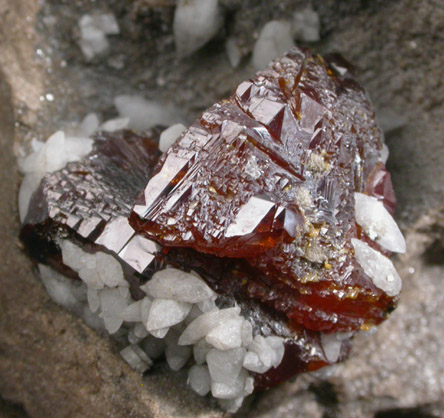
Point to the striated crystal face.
(268, 177)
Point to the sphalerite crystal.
(269, 176)
(277, 197)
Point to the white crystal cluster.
(380, 227)
(277, 37)
(178, 318)
(94, 29)
(195, 23)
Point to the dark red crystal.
(269, 176)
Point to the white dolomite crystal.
(178, 285)
(195, 23)
(113, 305)
(202, 325)
(274, 40)
(168, 136)
(165, 313)
(227, 335)
(378, 267)
(144, 114)
(136, 358)
(199, 379)
(200, 351)
(231, 391)
(378, 224)
(225, 366)
(332, 343)
(133, 312)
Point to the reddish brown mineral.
(268, 176)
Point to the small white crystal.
(332, 343)
(136, 358)
(199, 379)
(168, 136)
(378, 267)
(378, 224)
(264, 353)
(200, 351)
(140, 330)
(109, 270)
(233, 52)
(166, 313)
(133, 338)
(177, 356)
(274, 40)
(93, 31)
(227, 335)
(202, 325)
(93, 299)
(144, 114)
(231, 391)
(159, 333)
(306, 26)
(60, 289)
(89, 125)
(195, 23)
(89, 275)
(27, 188)
(113, 305)
(116, 124)
(277, 344)
(133, 312)
(178, 285)
(246, 333)
(145, 307)
(225, 366)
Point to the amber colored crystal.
(268, 176)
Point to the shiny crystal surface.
(268, 178)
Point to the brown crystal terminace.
(268, 177)
(88, 202)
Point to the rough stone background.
(52, 365)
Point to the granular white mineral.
(178, 285)
(306, 26)
(93, 31)
(168, 136)
(195, 23)
(136, 358)
(233, 52)
(144, 114)
(378, 224)
(165, 313)
(378, 267)
(199, 379)
(332, 343)
(274, 40)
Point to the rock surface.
(51, 364)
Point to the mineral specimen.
(258, 246)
